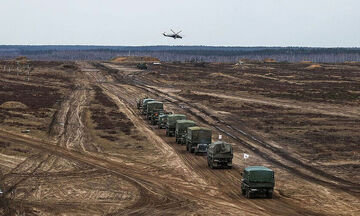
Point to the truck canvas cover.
(181, 125)
(154, 105)
(146, 100)
(219, 148)
(259, 174)
(199, 134)
(171, 119)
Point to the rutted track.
(147, 194)
(225, 180)
(261, 148)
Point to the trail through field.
(76, 171)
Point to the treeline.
(182, 53)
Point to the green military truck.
(220, 155)
(144, 105)
(162, 120)
(257, 180)
(152, 107)
(181, 128)
(198, 139)
(171, 123)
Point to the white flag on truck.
(246, 156)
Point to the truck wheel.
(269, 195)
(187, 148)
(243, 192)
(191, 150)
(251, 195)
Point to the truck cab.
(257, 180)
(163, 119)
(152, 107)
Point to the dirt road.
(84, 167)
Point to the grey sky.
(322, 23)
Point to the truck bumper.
(219, 163)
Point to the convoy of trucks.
(256, 180)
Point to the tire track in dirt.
(115, 92)
(258, 146)
(219, 179)
(253, 143)
(155, 196)
(225, 180)
(68, 123)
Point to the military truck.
(198, 139)
(153, 106)
(257, 180)
(162, 120)
(144, 105)
(142, 66)
(220, 155)
(171, 123)
(181, 128)
(155, 117)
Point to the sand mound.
(122, 59)
(314, 66)
(13, 105)
(21, 59)
(306, 62)
(221, 75)
(269, 60)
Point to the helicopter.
(174, 35)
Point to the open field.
(73, 143)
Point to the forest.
(182, 53)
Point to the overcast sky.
(316, 23)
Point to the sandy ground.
(98, 156)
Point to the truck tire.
(269, 195)
(249, 195)
(243, 192)
(211, 165)
(191, 150)
(187, 148)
